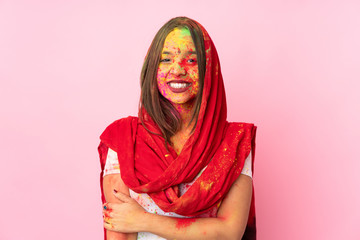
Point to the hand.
(123, 217)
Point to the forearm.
(110, 182)
(189, 228)
(111, 235)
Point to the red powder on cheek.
(183, 223)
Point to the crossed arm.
(124, 217)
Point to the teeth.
(179, 85)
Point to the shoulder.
(242, 124)
(118, 124)
(118, 129)
(121, 121)
(244, 131)
(247, 128)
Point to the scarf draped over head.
(146, 165)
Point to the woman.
(185, 170)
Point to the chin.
(178, 102)
(181, 101)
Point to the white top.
(112, 167)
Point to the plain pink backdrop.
(70, 68)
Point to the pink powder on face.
(178, 62)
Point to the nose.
(177, 69)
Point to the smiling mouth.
(178, 86)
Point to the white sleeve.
(247, 166)
(112, 163)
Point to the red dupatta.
(147, 167)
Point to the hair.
(158, 107)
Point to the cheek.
(161, 80)
(194, 75)
(160, 74)
(196, 87)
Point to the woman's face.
(178, 75)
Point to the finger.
(110, 206)
(107, 219)
(106, 206)
(106, 214)
(108, 226)
(122, 197)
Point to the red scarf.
(147, 167)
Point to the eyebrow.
(169, 53)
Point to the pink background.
(70, 68)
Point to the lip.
(177, 81)
(178, 90)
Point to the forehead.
(179, 39)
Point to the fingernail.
(115, 191)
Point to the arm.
(229, 224)
(109, 183)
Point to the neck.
(185, 110)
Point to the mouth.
(179, 86)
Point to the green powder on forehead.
(183, 31)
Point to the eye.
(165, 60)
(191, 60)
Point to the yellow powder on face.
(178, 50)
